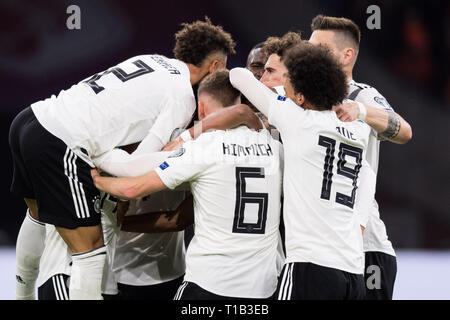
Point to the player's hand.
(95, 174)
(173, 145)
(347, 111)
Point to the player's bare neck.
(309, 106)
(349, 75)
(196, 73)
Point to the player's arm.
(129, 187)
(227, 118)
(119, 163)
(156, 222)
(388, 124)
(255, 91)
(175, 113)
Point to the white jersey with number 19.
(235, 178)
(323, 159)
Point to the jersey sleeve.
(256, 92)
(119, 163)
(184, 164)
(366, 193)
(175, 113)
(372, 97)
(279, 110)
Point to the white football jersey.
(142, 259)
(375, 235)
(235, 177)
(322, 160)
(56, 257)
(120, 106)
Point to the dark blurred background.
(406, 60)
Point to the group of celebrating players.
(277, 177)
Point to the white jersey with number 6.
(142, 96)
(235, 178)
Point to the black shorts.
(191, 291)
(55, 288)
(45, 169)
(381, 270)
(308, 281)
(161, 291)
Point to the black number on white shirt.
(119, 73)
(349, 172)
(243, 198)
(328, 167)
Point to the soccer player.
(235, 179)
(342, 37)
(273, 77)
(148, 254)
(256, 60)
(274, 48)
(323, 159)
(148, 258)
(55, 142)
(55, 262)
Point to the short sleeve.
(372, 97)
(184, 164)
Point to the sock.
(86, 275)
(29, 247)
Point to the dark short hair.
(315, 73)
(344, 25)
(197, 40)
(218, 85)
(279, 45)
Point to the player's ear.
(299, 98)
(213, 65)
(349, 55)
(201, 110)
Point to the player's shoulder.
(206, 139)
(365, 93)
(360, 85)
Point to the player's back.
(323, 157)
(237, 212)
(118, 106)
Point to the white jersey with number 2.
(146, 96)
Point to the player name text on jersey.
(256, 149)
